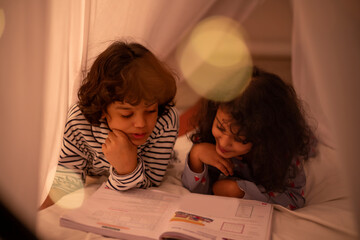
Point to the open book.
(153, 214)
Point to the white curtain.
(21, 95)
(65, 55)
(80, 30)
(325, 67)
(41, 57)
(46, 44)
(160, 25)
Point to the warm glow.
(2, 21)
(215, 60)
(73, 200)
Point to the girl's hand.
(120, 152)
(227, 188)
(206, 153)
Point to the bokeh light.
(2, 21)
(215, 60)
(71, 200)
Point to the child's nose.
(139, 121)
(225, 140)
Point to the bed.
(327, 214)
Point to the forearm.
(196, 182)
(290, 198)
(125, 168)
(124, 182)
(150, 171)
(194, 162)
(227, 188)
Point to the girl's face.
(228, 145)
(137, 122)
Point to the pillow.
(325, 179)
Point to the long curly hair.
(272, 118)
(126, 72)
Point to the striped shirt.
(81, 154)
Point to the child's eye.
(126, 115)
(151, 111)
(243, 141)
(220, 128)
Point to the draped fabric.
(159, 25)
(21, 96)
(80, 30)
(47, 44)
(325, 62)
(66, 52)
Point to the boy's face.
(137, 122)
(228, 145)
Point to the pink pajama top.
(292, 197)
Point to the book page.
(112, 213)
(214, 217)
(152, 214)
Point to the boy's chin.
(138, 142)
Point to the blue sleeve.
(195, 182)
(292, 197)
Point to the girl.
(124, 125)
(252, 147)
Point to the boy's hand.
(120, 152)
(206, 153)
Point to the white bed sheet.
(327, 215)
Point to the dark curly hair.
(272, 118)
(125, 72)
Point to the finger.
(222, 168)
(108, 140)
(111, 136)
(118, 133)
(104, 148)
(226, 165)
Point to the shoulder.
(169, 120)
(167, 124)
(75, 118)
(74, 112)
